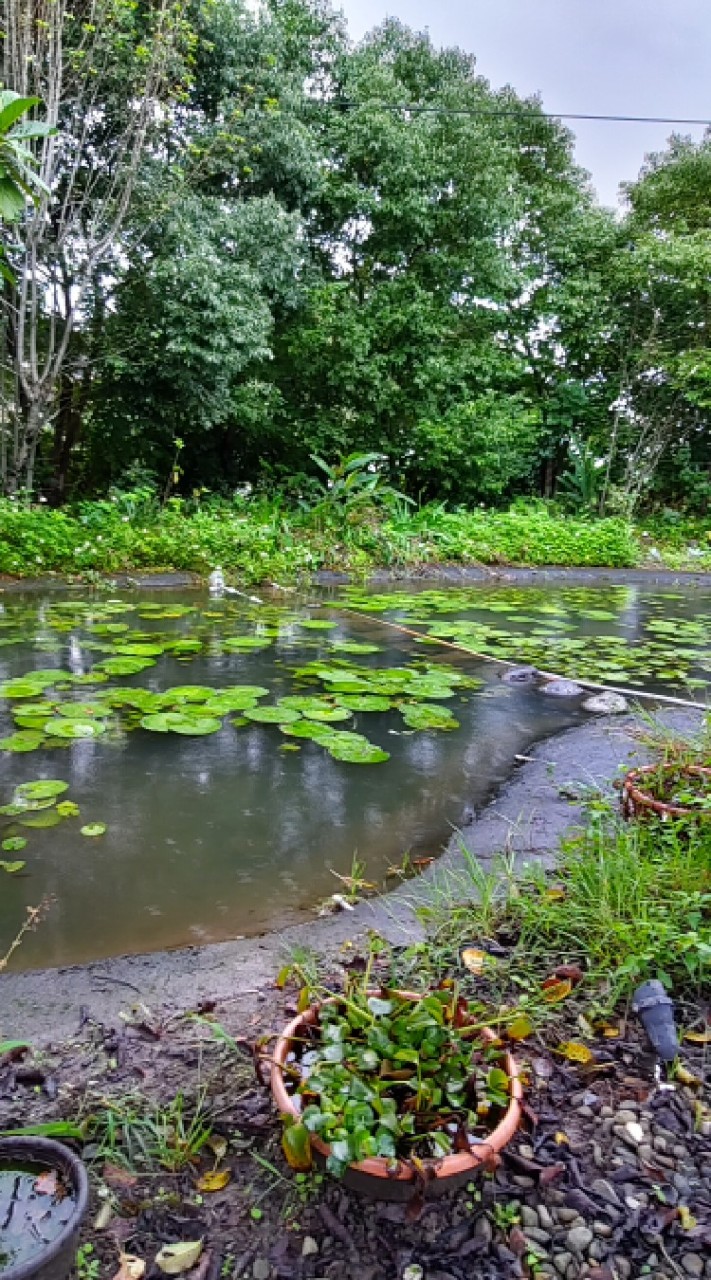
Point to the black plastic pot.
(57, 1259)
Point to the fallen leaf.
(117, 1178)
(517, 1241)
(572, 972)
(555, 989)
(174, 1259)
(520, 1028)
(550, 1173)
(473, 959)
(218, 1145)
(296, 1144)
(556, 893)
(543, 1068)
(575, 1052)
(687, 1221)
(562, 1139)
(698, 1037)
(104, 1216)
(214, 1180)
(46, 1183)
(130, 1267)
(687, 1077)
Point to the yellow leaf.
(686, 1218)
(575, 1052)
(296, 1144)
(214, 1180)
(304, 1000)
(174, 1259)
(555, 990)
(520, 1028)
(473, 959)
(687, 1077)
(556, 894)
(562, 1139)
(218, 1146)
(609, 1032)
(699, 1037)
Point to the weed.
(140, 1134)
(506, 1215)
(86, 1265)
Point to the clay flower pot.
(52, 1259)
(375, 1177)
(638, 801)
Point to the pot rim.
(635, 794)
(377, 1166)
(54, 1155)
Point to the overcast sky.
(615, 57)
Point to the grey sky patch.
(625, 57)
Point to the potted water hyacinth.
(667, 790)
(400, 1094)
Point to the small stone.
(529, 1217)
(646, 1153)
(545, 1218)
(308, 1247)
(261, 1269)
(597, 1251)
(605, 1190)
(524, 1182)
(567, 1215)
(633, 1133)
(526, 1150)
(585, 1113)
(623, 1266)
(561, 1262)
(562, 689)
(693, 1264)
(538, 1236)
(606, 1112)
(606, 704)
(660, 1144)
(602, 1229)
(483, 1229)
(578, 1239)
(413, 1272)
(681, 1152)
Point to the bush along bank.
(261, 539)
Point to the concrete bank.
(539, 804)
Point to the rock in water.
(520, 675)
(562, 689)
(606, 704)
(216, 582)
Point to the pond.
(220, 763)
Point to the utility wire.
(342, 104)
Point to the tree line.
(248, 242)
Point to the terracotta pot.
(56, 1259)
(638, 802)
(374, 1177)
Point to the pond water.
(226, 757)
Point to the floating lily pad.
(83, 711)
(184, 724)
(243, 644)
(62, 728)
(419, 716)
(353, 748)
(355, 646)
(93, 829)
(25, 740)
(13, 844)
(68, 809)
(22, 688)
(125, 666)
(318, 624)
(307, 729)
(40, 821)
(41, 789)
(364, 702)
(187, 693)
(140, 650)
(272, 715)
(11, 867)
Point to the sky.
(612, 57)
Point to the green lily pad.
(13, 844)
(93, 829)
(124, 666)
(364, 702)
(83, 711)
(22, 688)
(11, 867)
(272, 715)
(307, 729)
(140, 650)
(318, 624)
(41, 821)
(425, 716)
(353, 748)
(355, 646)
(187, 693)
(25, 740)
(243, 644)
(41, 789)
(62, 728)
(177, 722)
(68, 809)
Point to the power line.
(343, 104)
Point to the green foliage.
(19, 180)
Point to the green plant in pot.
(668, 790)
(395, 1091)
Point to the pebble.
(693, 1264)
(261, 1269)
(545, 1218)
(578, 1239)
(562, 689)
(623, 1266)
(413, 1272)
(605, 1190)
(609, 704)
(483, 1229)
(529, 1217)
(308, 1247)
(537, 1235)
(561, 1262)
(602, 1229)
(567, 1215)
(524, 1182)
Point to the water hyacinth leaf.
(75, 729)
(93, 829)
(13, 844)
(428, 717)
(272, 715)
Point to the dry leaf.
(218, 1146)
(571, 971)
(575, 1052)
(46, 1183)
(473, 959)
(174, 1259)
(214, 1180)
(130, 1267)
(104, 1216)
(117, 1178)
(296, 1145)
(562, 1139)
(698, 1037)
(520, 1028)
(556, 894)
(555, 989)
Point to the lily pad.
(41, 821)
(272, 715)
(426, 716)
(124, 666)
(22, 688)
(189, 726)
(364, 702)
(318, 624)
(355, 646)
(62, 728)
(307, 729)
(25, 740)
(11, 867)
(93, 829)
(353, 748)
(13, 844)
(41, 789)
(83, 711)
(243, 644)
(140, 650)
